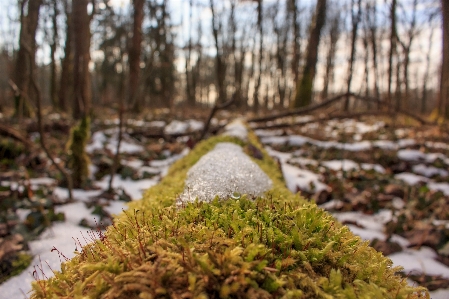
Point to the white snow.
(411, 155)
(223, 172)
(176, 127)
(236, 129)
(303, 179)
(410, 178)
(343, 164)
(429, 171)
(420, 261)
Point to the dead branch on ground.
(328, 102)
(214, 110)
(15, 134)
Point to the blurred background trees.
(193, 53)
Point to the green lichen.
(277, 246)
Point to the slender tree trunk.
(444, 79)
(296, 39)
(53, 47)
(66, 79)
(355, 17)
(81, 79)
(220, 67)
(334, 36)
(135, 49)
(426, 74)
(392, 51)
(27, 40)
(304, 88)
(256, 96)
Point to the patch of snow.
(439, 294)
(222, 172)
(55, 236)
(303, 179)
(406, 142)
(282, 157)
(266, 133)
(344, 165)
(77, 194)
(385, 144)
(169, 160)
(429, 171)
(420, 261)
(275, 139)
(298, 140)
(411, 155)
(135, 163)
(134, 189)
(195, 125)
(443, 187)
(378, 168)
(176, 127)
(42, 182)
(410, 178)
(303, 161)
(437, 145)
(236, 129)
(116, 207)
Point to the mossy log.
(275, 246)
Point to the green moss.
(271, 247)
(19, 262)
(78, 159)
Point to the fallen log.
(312, 108)
(246, 237)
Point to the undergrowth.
(278, 246)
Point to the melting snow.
(222, 172)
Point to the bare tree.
(135, 50)
(356, 14)
(444, 79)
(81, 79)
(53, 48)
(392, 52)
(66, 78)
(334, 35)
(304, 87)
(27, 43)
(256, 96)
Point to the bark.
(392, 51)
(371, 12)
(355, 17)
(81, 79)
(27, 44)
(333, 38)
(220, 66)
(304, 87)
(53, 47)
(256, 96)
(135, 50)
(66, 79)
(296, 39)
(444, 79)
(190, 89)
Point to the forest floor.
(388, 182)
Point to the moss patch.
(14, 265)
(278, 246)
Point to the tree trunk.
(392, 51)
(334, 36)
(444, 81)
(53, 47)
(304, 87)
(220, 67)
(66, 80)
(355, 18)
(256, 96)
(27, 47)
(135, 49)
(296, 40)
(81, 78)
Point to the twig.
(212, 113)
(10, 132)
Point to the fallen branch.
(15, 134)
(337, 98)
(214, 110)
